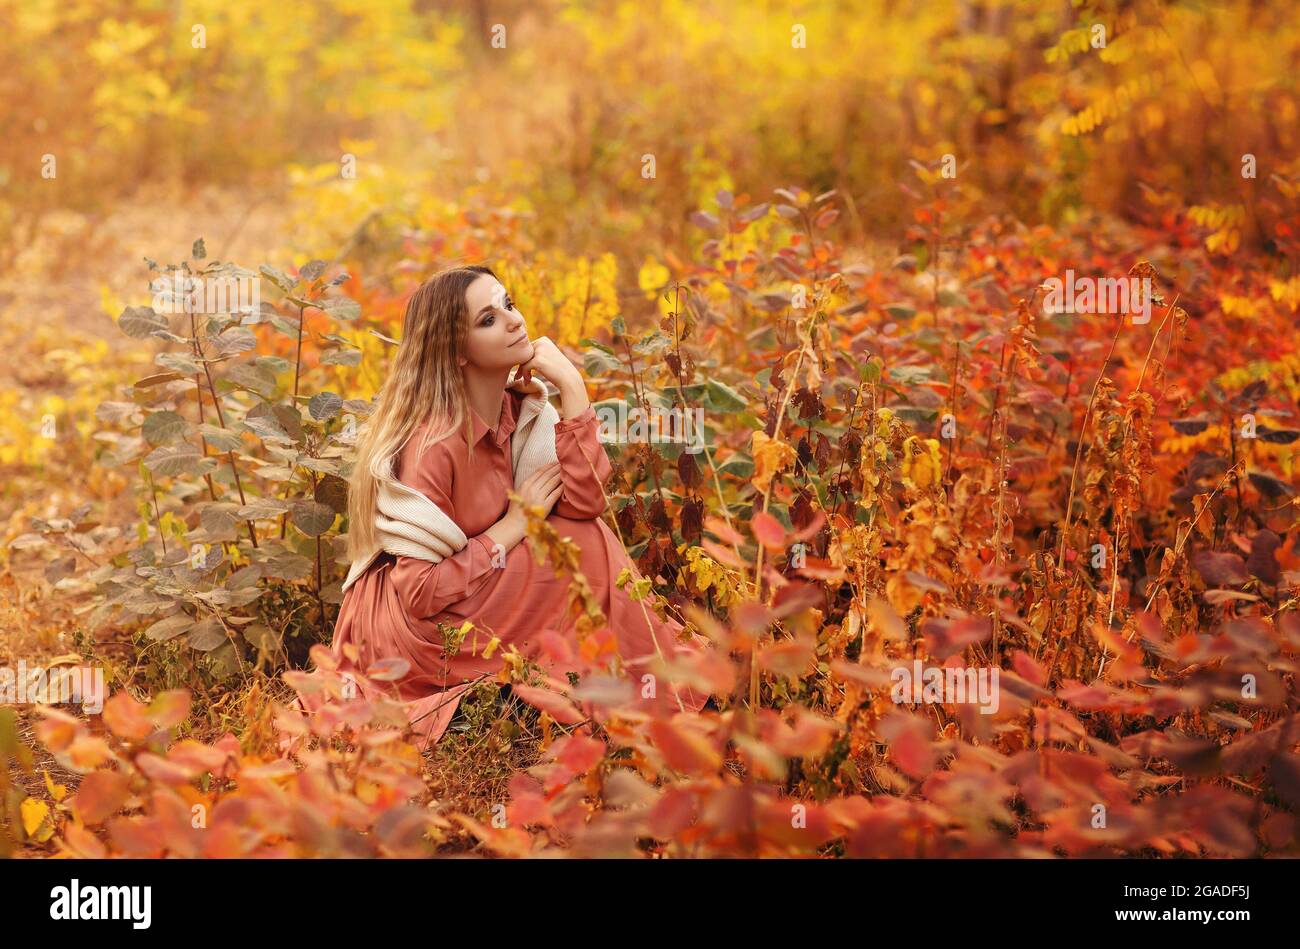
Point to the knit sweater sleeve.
(584, 466)
(425, 589)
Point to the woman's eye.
(510, 304)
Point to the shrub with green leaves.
(242, 485)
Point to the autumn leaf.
(771, 456)
(36, 819)
(100, 796)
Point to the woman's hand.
(541, 488)
(564, 375)
(552, 364)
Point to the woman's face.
(497, 337)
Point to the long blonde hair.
(425, 384)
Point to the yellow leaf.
(921, 461)
(35, 815)
(771, 455)
(57, 791)
(67, 659)
(652, 277)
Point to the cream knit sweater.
(410, 525)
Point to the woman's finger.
(541, 473)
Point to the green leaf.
(341, 357)
(311, 270)
(199, 251)
(287, 327)
(652, 344)
(272, 364)
(288, 416)
(341, 307)
(207, 635)
(597, 362)
(140, 322)
(254, 378)
(218, 519)
(332, 491)
(915, 413)
(323, 465)
(170, 460)
(312, 517)
(183, 363)
(909, 375)
(324, 405)
(266, 426)
(163, 428)
(261, 509)
(900, 311)
(739, 464)
(169, 628)
(277, 277)
(237, 339)
(245, 577)
(222, 439)
(111, 412)
(287, 566)
(724, 398)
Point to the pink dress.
(396, 606)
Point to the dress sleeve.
(584, 466)
(425, 588)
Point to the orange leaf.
(909, 743)
(101, 795)
(684, 749)
(578, 753)
(768, 530)
(125, 718)
(552, 703)
(169, 708)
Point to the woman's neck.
(486, 392)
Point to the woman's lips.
(521, 339)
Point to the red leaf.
(1220, 569)
(768, 530)
(908, 737)
(947, 637)
(578, 753)
(101, 795)
(552, 703)
(125, 718)
(684, 749)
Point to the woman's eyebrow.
(488, 307)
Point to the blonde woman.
(443, 426)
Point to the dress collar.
(504, 428)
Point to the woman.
(447, 414)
